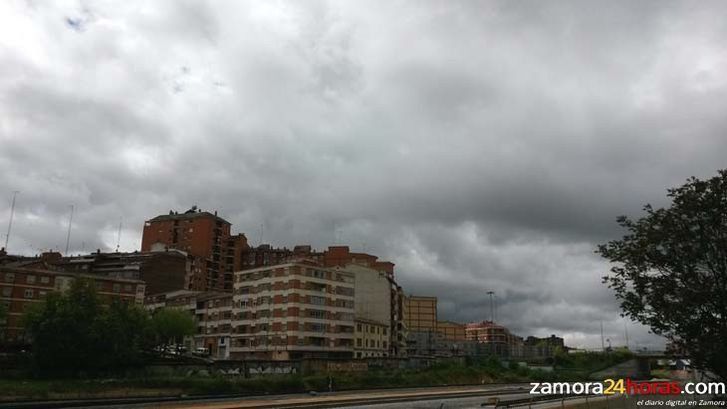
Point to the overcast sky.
(478, 145)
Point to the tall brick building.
(204, 236)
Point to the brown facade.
(334, 256)
(451, 331)
(496, 339)
(420, 313)
(162, 271)
(202, 235)
(23, 287)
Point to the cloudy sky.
(478, 145)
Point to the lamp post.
(10, 223)
(492, 306)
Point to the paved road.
(451, 397)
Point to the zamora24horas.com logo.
(627, 387)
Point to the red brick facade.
(203, 235)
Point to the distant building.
(420, 313)
(451, 331)
(212, 312)
(203, 235)
(22, 287)
(162, 271)
(494, 339)
(371, 339)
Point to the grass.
(474, 372)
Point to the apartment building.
(420, 313)
(266, 255)
(162, 271)
(293, 310)
(22, 287)
(212, 312)
(204, 236)
(214, 323)
(372, 339)
(451, 331)
(494, 339)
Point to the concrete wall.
(372, 294)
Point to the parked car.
(202, 351)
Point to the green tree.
(74, 332)
(670, 270)
(172, 325)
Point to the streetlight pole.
(68, 237)
(10, 223)
(492, 306)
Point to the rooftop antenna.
(118, 235)
(10, 223)
(68, 237)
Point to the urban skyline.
(474, 156)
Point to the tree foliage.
(74, 332)
(172, 325)
(670, 270)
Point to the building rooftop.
(193, 213)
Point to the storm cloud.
(477, 145)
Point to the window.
(44, 279)
(127, 288)
(320, 314)
(385, 330)
(358, 327)
(316, 327)
(30, 279)
(315, 300)
(358, 342)
(116, 288)
(29, 293)
(7, 291)
(9, 277)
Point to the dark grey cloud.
(476, 145)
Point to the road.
(451, 397)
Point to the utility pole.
(68, 237)
(603, 344)
(492, 306)
(10, 223)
